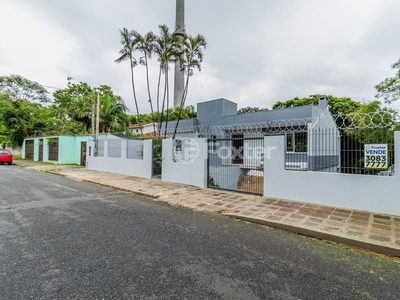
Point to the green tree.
(191, 59)
(337, 105)
(74, 105)
(372, 114)
(369, 124)
(20, 119)
(129, 44)
(21, 111)
(389, 89)
(188, 112)
(248, 109)
(18, 88)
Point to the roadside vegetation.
(26, 109)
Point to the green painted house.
(61, 149)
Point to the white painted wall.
(16, 150)
(133, 167)
(364, 192)
(193, 172)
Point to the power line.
(69, 82)
(51, 87)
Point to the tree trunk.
(185, 92)
(148, 90)
(158, 91)
(163, 105)
(134, 97)
(167, 88)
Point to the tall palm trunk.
(158, 104)
(184, 95)
(163, 104)
(167, 89)
(148, 91)
(158, 91)
(134, 97)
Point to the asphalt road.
(63, 239)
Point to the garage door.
(29, 146)
(53, 149)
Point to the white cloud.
(259, 52)
(33, 49)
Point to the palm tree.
(145, 44)
(126, 52)
(166, 48)
(113, 116)
(191, 59)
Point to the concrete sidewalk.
(369, 230)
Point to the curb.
(319, 235)
(121, 188)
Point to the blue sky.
(259, 52)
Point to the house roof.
(143, 124)
(222, 112)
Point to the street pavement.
(70, 239)
(369, 230)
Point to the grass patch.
(20, 165)
(52, 170)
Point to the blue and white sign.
(375, 156)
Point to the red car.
(6, 157)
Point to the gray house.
(236, 140)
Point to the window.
(237, 148)
(213, 146)
(300, 142)
(296, 142)
(289, 142)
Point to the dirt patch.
(251, 184)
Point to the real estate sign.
(375, 156)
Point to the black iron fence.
(236, 164)
(367, 151)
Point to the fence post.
(274, 159)
(23, 149)
(45, 149)
(148, 157)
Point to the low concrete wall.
(16, 150)
(191, 169)
(364, 192)
(133, 167)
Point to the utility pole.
(97, 124)
(92, 116)
(179, 82)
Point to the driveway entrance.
(236, 164)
